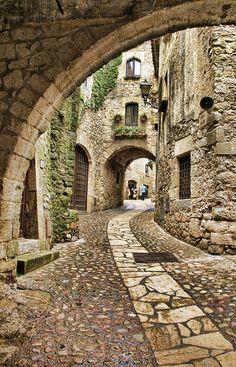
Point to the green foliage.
(127, 130)
(104, 82)
(62, 137)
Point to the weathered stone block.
(5, 230)
(40, 59)
(27, 97)
(12, 249)
(54, 97)
(224, 214)
(215, 136)
(24, 148)
(38, 83)
(13, 80)
(195, 228)
(228, 148)
(232, 227)
(19, 64)
(3, 68)
(20, 110)
(7, 266)
(215, 249)
(216, 226)
(26, 33)
(22, 50)
(7, 51)
(221, 239)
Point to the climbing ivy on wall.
(104, 82)
(62, 140)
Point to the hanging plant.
(143, 117)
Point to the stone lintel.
(183, 146)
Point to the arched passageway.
(37, 74)
(115, 169)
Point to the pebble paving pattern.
(90, 320)
(106, 310)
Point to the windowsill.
(136, 135)
(132, 77)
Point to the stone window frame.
(135, 115)
(133, 75)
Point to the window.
(131, 114)
(117, 177)
(133, 68)
(184, 177)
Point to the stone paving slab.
(209, 279)
(179, 331)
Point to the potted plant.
(143, 117)
(117, 118)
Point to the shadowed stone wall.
(198, 63)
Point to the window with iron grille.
(185, 177)
(131, 114)
(133, 68)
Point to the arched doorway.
(80, 187)
(28, 215)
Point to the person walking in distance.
(143, 190)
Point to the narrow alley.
(97, 306)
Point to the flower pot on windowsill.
(117, 119)
(128, 132)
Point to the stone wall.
(198, 63)
(43, 61)
(110, 154)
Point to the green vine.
(104, 82)
(62, 140)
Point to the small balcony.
(129, 132)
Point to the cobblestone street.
(105, 309)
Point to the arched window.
(133, 68)
(131, 114)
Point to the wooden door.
(79, 200)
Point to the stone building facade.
(197, 160)
(111, 138)
(49, 181)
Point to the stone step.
(30, 262)
(28, 245)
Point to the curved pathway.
(96, 307)
(90, 321)
(180, 332)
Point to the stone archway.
(114, 170)
(42, 74)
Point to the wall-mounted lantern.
(145, 90)
(42, 163)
